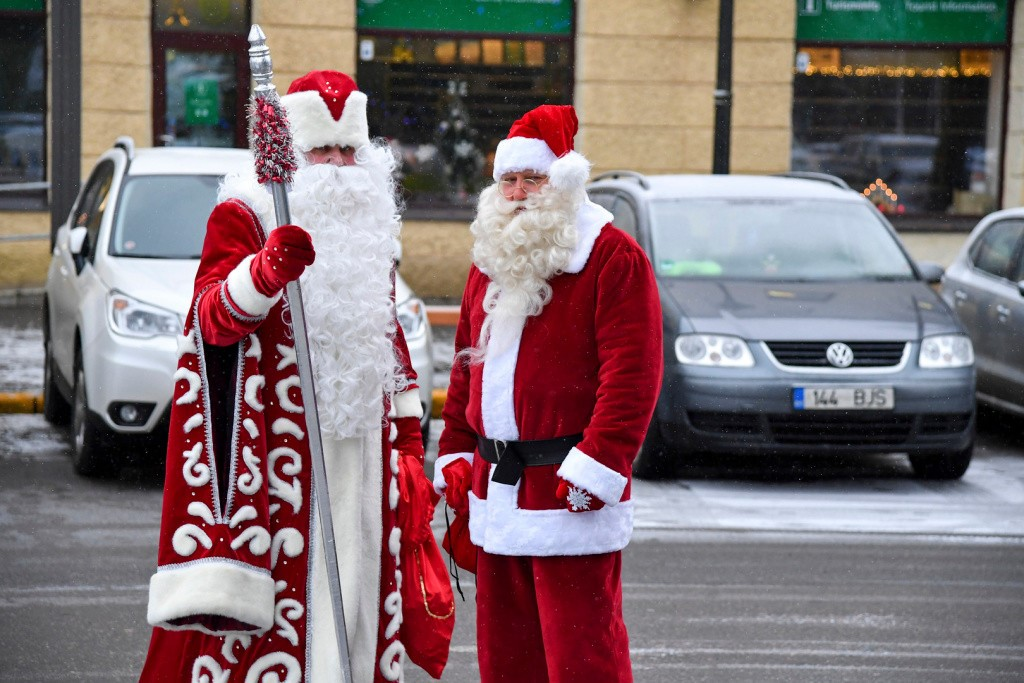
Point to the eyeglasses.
(529, 185)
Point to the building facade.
(925, 97)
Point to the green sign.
(546, 17)
(202, 102)
(902, 21)
(23, 5)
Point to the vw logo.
(840, 355)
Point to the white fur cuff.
(243, 294)
(444, 461)
(407, 404)
(211, 587)
(584, 471)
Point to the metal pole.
(262, 73)
(723, 89)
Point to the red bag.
(428, 604)
(456, 542)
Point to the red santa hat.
(325, 108)
(541, 141)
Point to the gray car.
(794, 322)
(985, 286)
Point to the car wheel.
(654, 461)
(87, 453)
(943, 465)
(56, 409)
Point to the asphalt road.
(726, 581)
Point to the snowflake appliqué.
(578, 499)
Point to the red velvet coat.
(231, 598)
(590, 363)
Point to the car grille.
(834, 429)
(862, 430)
(812, 354)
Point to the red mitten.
(577, 499)
(417, 500)
(289, 249)
(410, 436)
(458, 479)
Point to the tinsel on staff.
(270, 139)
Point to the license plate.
(827, 397)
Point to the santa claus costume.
(558, 366)
(241, 592)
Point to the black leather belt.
(512, 456)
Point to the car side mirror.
(76, 240)
(931, 272)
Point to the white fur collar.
(590, 219)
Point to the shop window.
(200, 72)
(445, 104)
(22, 102)
(445, 99)
(917, 131)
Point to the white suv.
(118, 287)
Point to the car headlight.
(132, 318)
(714, 350)
(412, 316)
(946, 351)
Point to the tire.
(654, 461)
(56, 409)
(942, 466)
(88, 455)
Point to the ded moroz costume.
(558, 366)
(240, 592)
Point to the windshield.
(163, 216)
(773, 240)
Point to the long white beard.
(520, 251)
(351, 214)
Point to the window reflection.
(22, 97)
(915, 130)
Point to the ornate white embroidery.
(285, 610)
(253, 385)
(293, 672)
(227, 649)
(288, 491)
(216, 673)
(187, 538)
(187, 344)
(195, 473)
(192, 422)
(287, 356)
(257, 537)
(250, 426)
(288, 540)
(244, 514)
(194, 383)
(282, 393)
(255, 350)
(250, 482)
(202, 511)
(392, 661)
(283, 425)
(395, 543)
(393, 606)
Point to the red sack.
(428, 604)
(428, 607)
(456, 542)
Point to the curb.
(23, 402)
(33, 403)
(437, 406)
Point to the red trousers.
(551, 619)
